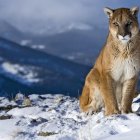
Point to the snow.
(58, 117)
(30, 44)
(40, 47)
(8, 129)
(21, 73)
(25, 42)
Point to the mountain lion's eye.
(116, 24)
(129, 23)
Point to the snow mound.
(57, 117)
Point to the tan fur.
(112, 81)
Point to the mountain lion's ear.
(134, 11)
(108, 12)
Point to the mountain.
(10, 32)
(28, 70)
(73, 43)
(80, 46)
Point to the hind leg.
(91, 100)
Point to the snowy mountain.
(32, 71)
(80, 46)
(57, 117)
(10, 32)
(78, 43)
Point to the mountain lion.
(112, 81)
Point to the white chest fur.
(125, 69)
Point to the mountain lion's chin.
(124, 41)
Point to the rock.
(27, 102)
(19, 96)
(3, 117)
(45, 134)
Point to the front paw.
(90, 112)
(111, 111)
(126, 110)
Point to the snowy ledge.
(57, 117)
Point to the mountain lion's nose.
(123, 34)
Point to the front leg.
(108, 94)
(128, 92)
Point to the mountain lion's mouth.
(124, 39)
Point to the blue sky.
(58, 14)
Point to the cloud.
(53, 15)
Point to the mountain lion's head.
(123, 23)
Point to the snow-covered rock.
(57, 117)
(20, 73)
